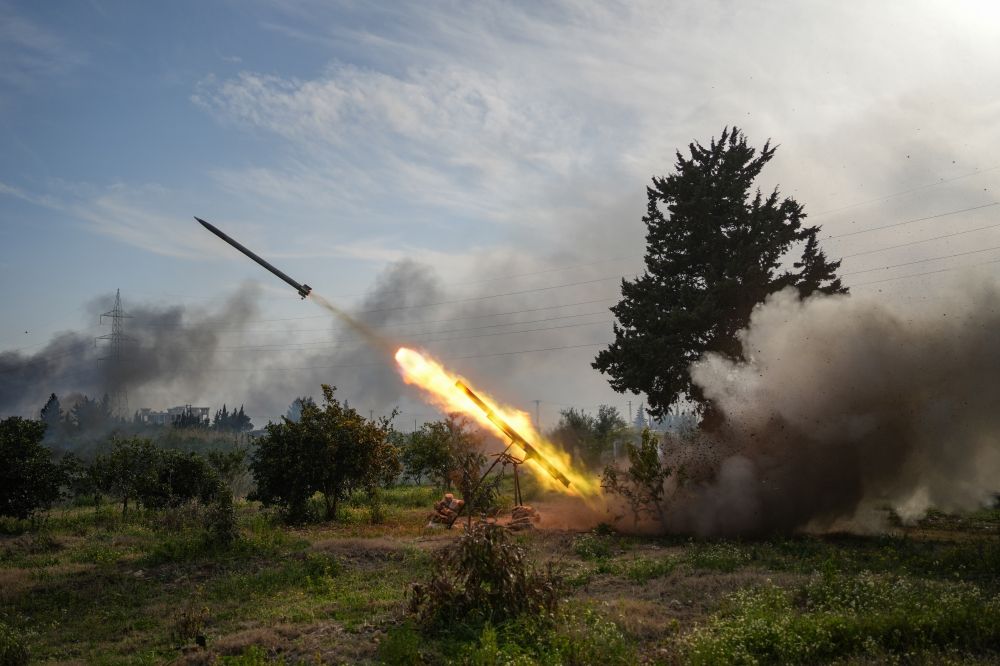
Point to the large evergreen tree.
(715, 249)
(51, 416)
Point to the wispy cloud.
(31, 54)
(535, 116)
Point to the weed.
(643, 570)
(835, 616)
(717, 556)
(13, 648)
(189, 624)
(592, 546)
(579, 636)
(484, 577)
(412, 497)
(402, 646)
(252, 656)
(220, 520)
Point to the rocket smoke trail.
(304, 290)
(376, 340)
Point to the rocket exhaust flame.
(529, 451)
(451, 393)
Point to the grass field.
(87, 587)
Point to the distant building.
(172, 415)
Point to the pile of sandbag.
(445, 511)
(522, 517)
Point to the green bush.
(484, 577)
(220, 519)
(331, 450)
(575, 637)
(29, 480)
(402, 647)
(644, 570)
(836, 616)
(13, 648)
(718, 556)
(592, 546)
(252, 656)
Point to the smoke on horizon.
(169, 356)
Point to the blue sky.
(481, 140)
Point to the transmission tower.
(117, 393)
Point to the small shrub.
(13, 648)
(220, 520)
(490, 651)
(484, 577)
(592, 546)
(721, 556)
(641, 484)
(576, 637)
(189, 625)
(376, 506)
(835, 617)
(401, 647)
(587, 637)
(252, 656)
(644, 570)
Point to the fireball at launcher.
(302, 289)
(529, 451)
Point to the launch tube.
(529, 450)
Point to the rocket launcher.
(530, 452)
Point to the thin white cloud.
(31, 55)
(526, 114)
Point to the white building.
(173, 414)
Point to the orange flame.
(440, 386)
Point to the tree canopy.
(714, 250)
(592, 436)
(29, 480)
(440, 449)
(331, 450)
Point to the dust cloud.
(848, 404)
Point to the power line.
(923, 261)
(925, 240)
(934, 272)
(324, 343)
(411, 323)
(904, 192)
(916, 219)
(439, 358)
(336, 343)
(506, 293)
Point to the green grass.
(577, 635)
(646, 569)
(717, 556)
(84, 585)
(836, 616)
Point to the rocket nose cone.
(203, 222)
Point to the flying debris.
(302, 289)
(529, 451)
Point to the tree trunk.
(331, 505)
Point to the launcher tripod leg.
(475, 489)
(517, 488)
